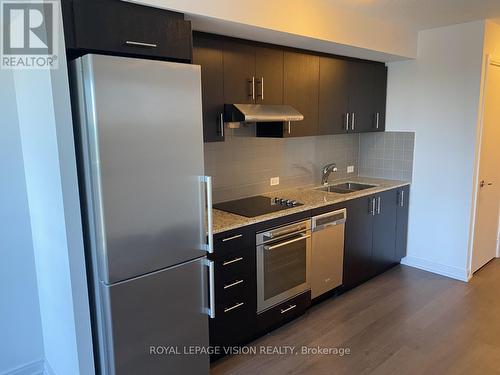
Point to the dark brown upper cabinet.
(361, 106)
(333, 98)
(239, 73)
(301, 90)
(379, 96)
(252, 74)
(123, 28)
(208, 53)
(335, 94)
(352, 96)
(269, 75)
(367, 94)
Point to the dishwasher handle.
(329, 219)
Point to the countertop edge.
(335, 199)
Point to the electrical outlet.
(350, 169)
(275, 181)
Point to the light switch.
(275, 181)
(350, 169)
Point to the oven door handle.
(302, 237)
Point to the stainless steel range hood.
(261, 113)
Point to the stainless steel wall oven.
(283, 263)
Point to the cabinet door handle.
(402, 200)
(237, 282)
(221, 124)
(209, 246)
(347, 122)
(227, 309)
(353, 121)
(377, 119)
(235, 260)
(373, 207)
(378, 205)
(289, 127)
(211, 286)
(232, 238)
(140, 44)
(261, 95)
(252, 81)
(288, 309)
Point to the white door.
(488, 199)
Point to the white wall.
(312, 24)
(53, 326)
(21, 343)
(437, 96)
(45, 125)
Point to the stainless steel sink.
(345, 188)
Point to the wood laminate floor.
(405, 321)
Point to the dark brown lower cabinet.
(235, 290)
(358, 241)
(384, 231)
(284, 312)
(375, 240)
(371, 236)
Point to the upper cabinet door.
(269, 75)
(240, 86)
(379, 96)
(333, 95)
(134, 30)
(208, 53)
(361, 103)
(301, 90)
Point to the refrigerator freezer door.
(140, 125)
(150, 317)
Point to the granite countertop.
(224, 221)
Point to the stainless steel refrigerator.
(138, 131)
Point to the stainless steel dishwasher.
(327, 263)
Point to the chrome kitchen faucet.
(327, 169)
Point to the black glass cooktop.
(256, 206)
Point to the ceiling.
(423, 14)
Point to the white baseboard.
(33, 368)
(440, 269)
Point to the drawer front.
(284, 312)
(235, 298)
(236, 286)
(242, 294)
(233, 327)
(120, 27)
(234, 240)
(232, 266)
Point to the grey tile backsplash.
(386, 155)
(243, 164)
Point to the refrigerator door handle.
(210, 310)
(209, 246)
